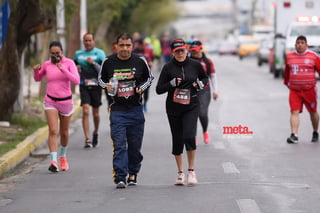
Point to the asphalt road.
(246, 173)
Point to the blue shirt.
(88, 71)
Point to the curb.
(24, 149)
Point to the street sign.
(4, 17)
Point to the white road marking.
(248, 206)
(230, 168)
(296, 185)
(5, 202)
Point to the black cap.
(196, 45)
(178, 44)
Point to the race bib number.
(181, 96)
(126, 89)
(91, 82)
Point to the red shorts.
(305, 97)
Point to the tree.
(26, 18)
(157, 13)
(115, 16)
(106, 19)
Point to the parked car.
(247, 47)
(227, 48)
(263, 53)
(211, 47)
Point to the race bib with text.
(181, 96)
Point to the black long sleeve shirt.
(134, 70)
(189, 71)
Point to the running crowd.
(187, 76)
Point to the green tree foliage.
(151, 16)
(102, 10)
(109, 18)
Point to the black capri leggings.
(204, 97)
(183, 127)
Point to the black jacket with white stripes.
(133, 69)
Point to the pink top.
(58, 81)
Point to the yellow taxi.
(248, 46)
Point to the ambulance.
(291, 19)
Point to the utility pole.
(83, 20)
(235, 15)
(61, 26)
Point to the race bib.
(91, 82)
(181, 96)
(126, 89)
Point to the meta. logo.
(236, 130)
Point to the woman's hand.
(59, 65)
(36, 67)
(215, 96)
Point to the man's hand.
(139, 91)
(89, 60)
(109, 87)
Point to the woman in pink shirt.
(60, 72)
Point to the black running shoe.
(121, 184)
(292, 139)
(94, 140)
(53, 166)
(87, 144)
(132, 180)
(315, 137)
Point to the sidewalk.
(24, 149)
(10, 160)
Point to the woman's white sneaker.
(180, 179)
(192, 178)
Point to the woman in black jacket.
(182, 77)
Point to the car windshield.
(305, 30)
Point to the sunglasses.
(55, 53)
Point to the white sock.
(63, 151)
(54, 156)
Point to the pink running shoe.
(53, 166)
(206, 137)
(64, 166)
(192, 178)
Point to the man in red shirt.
(299, 77)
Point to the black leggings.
(204, 97)
(183, 127)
